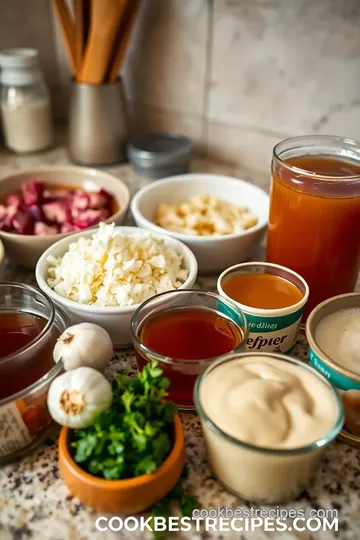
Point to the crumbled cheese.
(204, 215)
(111, 269)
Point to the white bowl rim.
(190, 178)
(91, 171)
(102, 310)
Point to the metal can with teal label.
(275, 329)
(345, 380)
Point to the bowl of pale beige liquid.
(266, 419)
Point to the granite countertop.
(34, 502)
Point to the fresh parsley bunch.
(135, 435)
(186, 502)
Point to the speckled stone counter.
(34, 503)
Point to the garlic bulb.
(84, 344)
(77, 396)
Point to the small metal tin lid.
(154, 150)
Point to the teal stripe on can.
(271, 324)
(337, 379)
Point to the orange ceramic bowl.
(127, 496)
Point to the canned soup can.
(270, 329)
(327, 357)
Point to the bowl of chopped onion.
(221, 219)
(103, 275)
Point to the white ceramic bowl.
(116, 320)
(26, 249)
(214, 254)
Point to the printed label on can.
(337, 379)
(273, 334)
(349, 390)
(13, 432)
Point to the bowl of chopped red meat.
(39, 207)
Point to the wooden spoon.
(122, 40)
(105, 19)
(67, 30)
(79, 33)
(86, 21)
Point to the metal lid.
(19, 66)
(19, 58)
(158, 149)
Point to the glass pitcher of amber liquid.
(314, 223)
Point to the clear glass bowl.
(255, 473)
(25, 375)
(183, 373)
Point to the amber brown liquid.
(325, 165)
(264, 291)
(314, 233)
(187, 334)
(18, 330)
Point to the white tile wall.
(248, 148)
(147, 118)
(235, 75)
(167, 60)
(289, 66)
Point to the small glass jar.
(182, 372)
(314, 218)
(26, 374)
(253, 472)
(25, 102)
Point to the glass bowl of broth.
(184, 331)
(29, 328)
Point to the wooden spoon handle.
(124, 34)
(105, 19)
(79, 33)
(67, 30)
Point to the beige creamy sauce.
(268, 402)
(338, 336)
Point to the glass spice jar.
(25, 102)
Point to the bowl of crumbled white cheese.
(102, 275)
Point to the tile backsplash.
(235, 75)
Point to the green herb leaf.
(139, 441)
(186, 502)
(146, 466)
(160, 509)
(135, 435)
(161, 446)
(85, 447)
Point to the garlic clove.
(84, 344)
(77, 396)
